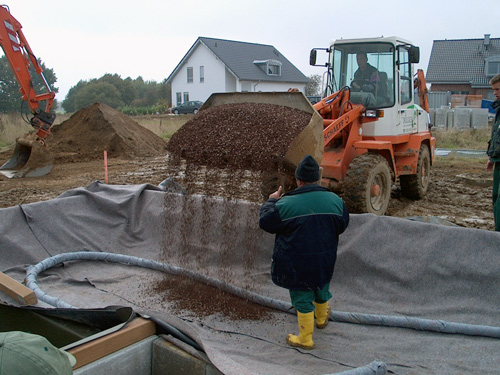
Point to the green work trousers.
(496, 192)
(303, 300)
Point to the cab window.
(368, 70)
(405, 88)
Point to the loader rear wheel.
(415, 186)
(367, 185)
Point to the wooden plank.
(16, 290)
(137, 330)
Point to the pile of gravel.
(253, 136)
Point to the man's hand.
(489, 165)
(277, 194)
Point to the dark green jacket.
(494, 143)
(307, 223)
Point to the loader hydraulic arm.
(20, 56)
(338, 113)
(420, 84)
(336, 126)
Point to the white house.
(218, 65)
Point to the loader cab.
(367, 69)
(379, 75)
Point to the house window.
(186, 97)
(190, 74)
(202, 74)
(492, 67)
(270, 67)
(274, 70)
(178, 98)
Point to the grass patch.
(469, 139)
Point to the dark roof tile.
(239, 58)
(461, 61)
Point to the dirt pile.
(98, 128)
(253, 136)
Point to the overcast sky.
(148, 38)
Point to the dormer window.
(492, 66)
(270, 67)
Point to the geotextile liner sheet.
(387, 266)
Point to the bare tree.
(313, 87)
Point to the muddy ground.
(459, 193)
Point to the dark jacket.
(367, 79)
(307, 223)
(494, 143)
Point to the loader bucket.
(30, 159)
(309, 141)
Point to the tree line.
(130, 96)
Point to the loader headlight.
(374, 113)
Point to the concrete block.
(441, 117)
(170, 359)
(450, 119)
(432, 115)
(479, 118)
(461, 119)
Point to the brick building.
(464, 66)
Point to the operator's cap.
(307, 170)
(26, 353)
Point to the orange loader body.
(343, 141)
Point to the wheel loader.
(367, 133)
(374, 133)
(31, 157)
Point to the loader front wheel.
(367, 185)
(415, 186)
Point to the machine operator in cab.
(366, 78)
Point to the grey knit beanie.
(307, 170)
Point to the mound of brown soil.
(98, 128)
(252, 136)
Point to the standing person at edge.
(494, 151)
(307, 222)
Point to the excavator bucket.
(309, 141)
(31, 158)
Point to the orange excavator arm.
(20, 56)
(421, 85)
